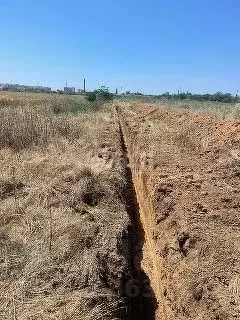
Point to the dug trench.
(136, 286)
(188, 198)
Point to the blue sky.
(149, 46)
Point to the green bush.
(91, 96)
(102, 95)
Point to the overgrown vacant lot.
(186, 168)
(62, 211)
(94, 205)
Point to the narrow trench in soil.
(136, 286)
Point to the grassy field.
(69, 104)
(61, 184)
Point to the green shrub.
(91, 96)
(104, 94)
(101, 95)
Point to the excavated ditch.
(136, 285)
(188, 257)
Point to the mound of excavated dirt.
(186, 172)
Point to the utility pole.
(84, 86)
(116, 91)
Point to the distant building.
(69, 90)
(80, 91)
(4, 86)
(23, 88)
(38, 89)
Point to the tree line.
(216, 97)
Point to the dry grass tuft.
(9, 188)
(88, 191)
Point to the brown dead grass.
(29, 120)
(61, 215)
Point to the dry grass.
(25, 127)
(61, 216)
(39, 119)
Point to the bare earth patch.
(186, 172)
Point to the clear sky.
(149, 46)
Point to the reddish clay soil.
(186, 172)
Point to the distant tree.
(138, 93)
(166, 95)
(183, 96)
(103, 93)
(227, 97)
(217, 96)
